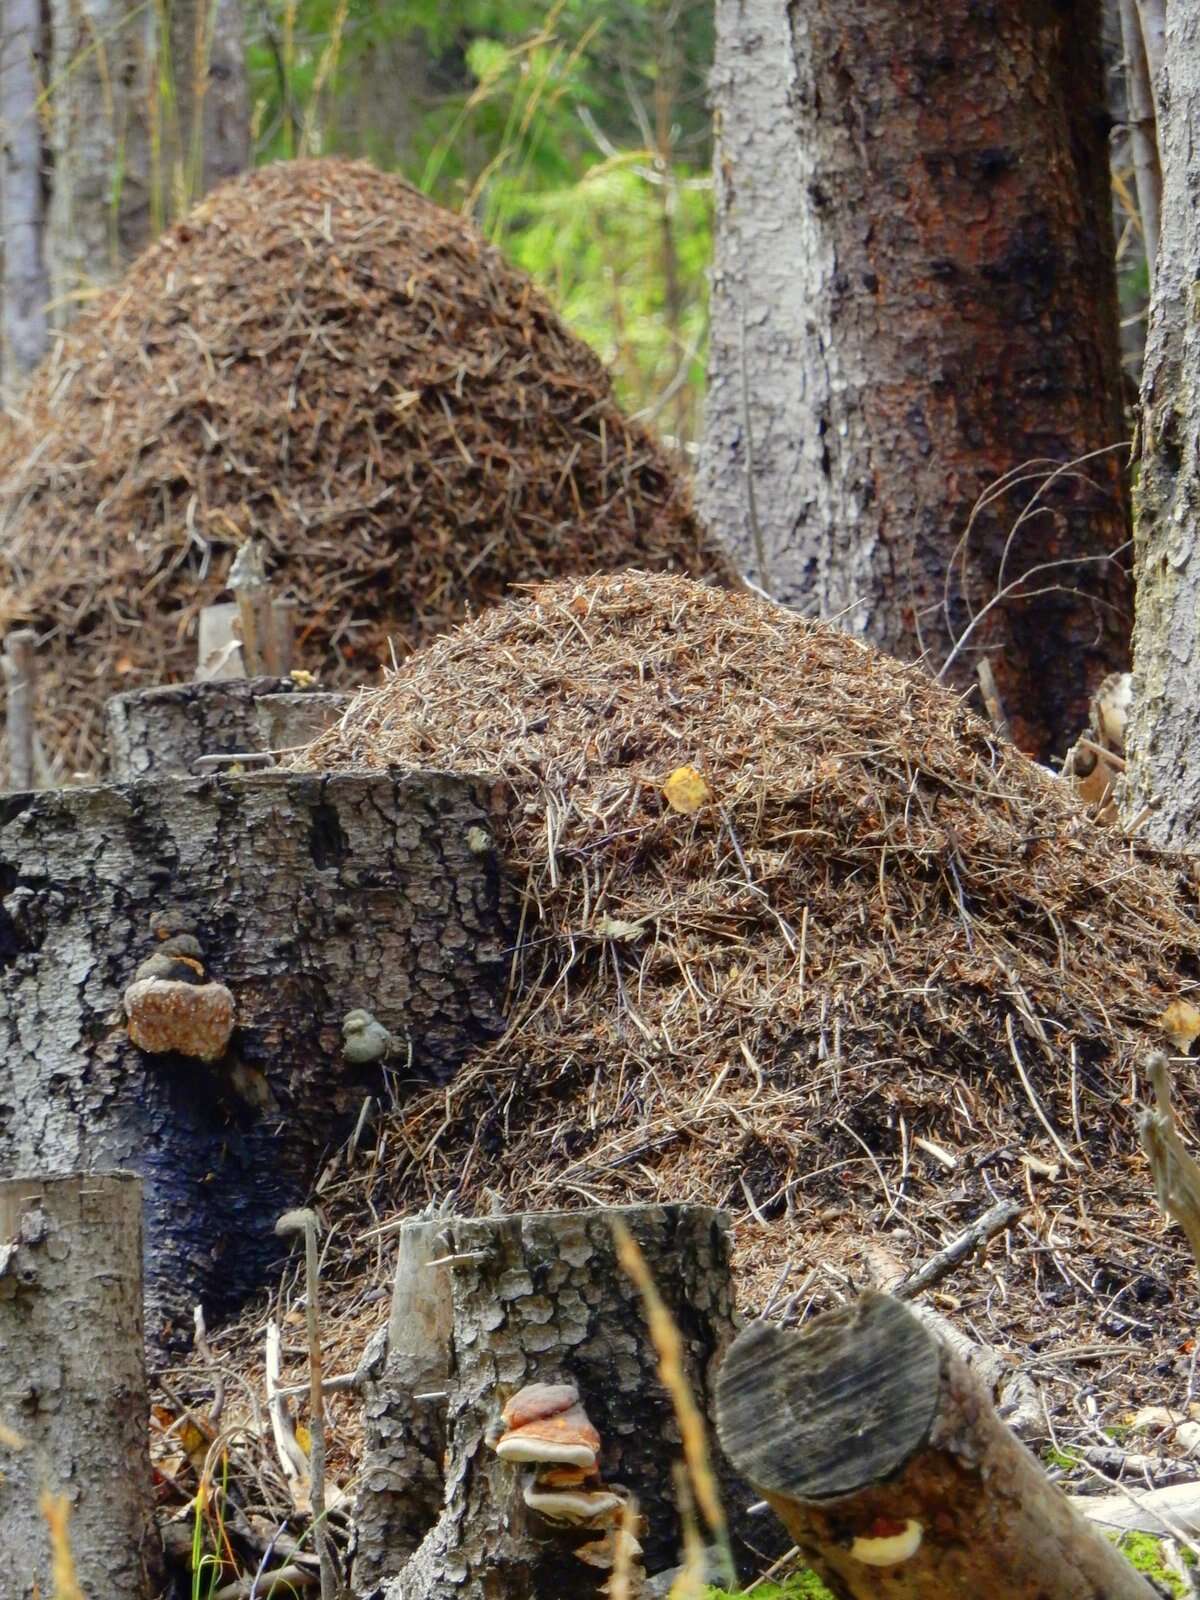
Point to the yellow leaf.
(1181, 1020)
(686, 790)
(304, 1438)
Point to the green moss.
(800, 1586)
(1066, 1459)
(1142, 1551)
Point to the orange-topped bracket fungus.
(546, 1424)
(172, 1007)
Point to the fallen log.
(73, 1384)
(880, 1452)
(302, 898)
(456, 1501)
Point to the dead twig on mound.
(1176, 1174)
(995, 1220)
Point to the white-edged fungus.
(578, 1506)
(545, 1422)
(884, 1548)
(567, 1438)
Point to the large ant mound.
(321, 358)
(861, 972)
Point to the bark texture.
(73, 1383)
(157, 733)
(532, 1298)
(1162, 770)
(914, 294)
(311, 897)
(102, 64)
(866, 1428)
(22, 176)
(212, 100)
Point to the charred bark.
(534, 1298)
(914, 294)
(73, 1383)
(879, 1450)
(310, 897)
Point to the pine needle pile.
(321, 358)
(884, 973)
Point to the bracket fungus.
(887, 1543)
(172, 1007)
(546, 1427)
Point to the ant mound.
(804, 940)
(321, 358)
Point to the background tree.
(914, 295)
(26, 286)
(1160, 741)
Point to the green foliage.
(800, 1586)
(576, 135)
(1144, 1552)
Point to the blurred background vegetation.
(577, 136)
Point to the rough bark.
(1162, 770)
(310, 897)
(212, 100)
(914, 294)
(162, 732)
(866, 1427)
(102, 71)
(73, 1383)
(22, 178)
(401, 1481)
(533, 1298)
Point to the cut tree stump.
(73, 1384)
(881, 1454)
(310, 896)
(484, 1307)
(158, 733)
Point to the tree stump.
(158, 733)
(879, 1450)
(484, 1307)
(73, 1383)
(310, 896)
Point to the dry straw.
(798, 1001)
(320, 357)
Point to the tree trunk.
(914, 294)
(211, 140)
(1162, 769)
(73, 1383)
(156, 733)
(310, 897)
(879, 1450)
(26, 282)
(103, 81)
(535, 1298)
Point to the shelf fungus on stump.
(545, 1426)
(172, 1007)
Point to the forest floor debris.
(803, 940)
